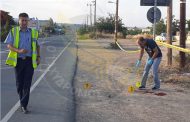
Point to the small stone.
(109, 96)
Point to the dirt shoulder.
(101, 88)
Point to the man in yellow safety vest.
(24, 56)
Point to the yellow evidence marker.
(87, 85)
(131, 89)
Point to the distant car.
(161, 37)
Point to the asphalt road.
(52, 98)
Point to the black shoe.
(155, 88)
(24, 110)
(142, 87)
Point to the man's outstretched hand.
(138, 63)
(150, 61)
(22, 51)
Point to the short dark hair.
(141, 39)
(23, 15)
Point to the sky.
(75, 11)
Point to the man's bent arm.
(155, 53)
(10, 47)
(141, 53)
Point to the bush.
(124, 32)
(92, 35)
(4, 34)
(113, 45)
(83, 37)
(177, 59)
(82, 31)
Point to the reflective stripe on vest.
(34, 43)
(12, 56)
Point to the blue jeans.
(155, 72)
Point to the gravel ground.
(101, 89)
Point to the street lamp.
(94, 11)
(111, 2)
(116, 19)
(90, 13)
(95, 2)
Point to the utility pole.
(154, 25)
(85, 25)
(95, 17)
(169, 31)
(116, 21)
(90, 13)
(87, 20)
(182, 32)
(94, 12)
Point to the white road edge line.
(6, 68)
(44, 42)
(4, 51)
(16, 106)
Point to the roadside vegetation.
(7, 23)
(103, 28)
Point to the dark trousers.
(24, 72)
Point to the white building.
(34, 23)
(146, 30)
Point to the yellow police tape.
(127, 51)
(185, 50)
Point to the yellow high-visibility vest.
(12, 56)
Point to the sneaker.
(142, 87)
(24, 110)
(155, 88)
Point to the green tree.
(175, 26)
(50, 27)
(134, 31)
(6, 24)
(107, 24)
(124, 32)
(51, 23)
(160, 27)
(82, 30)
